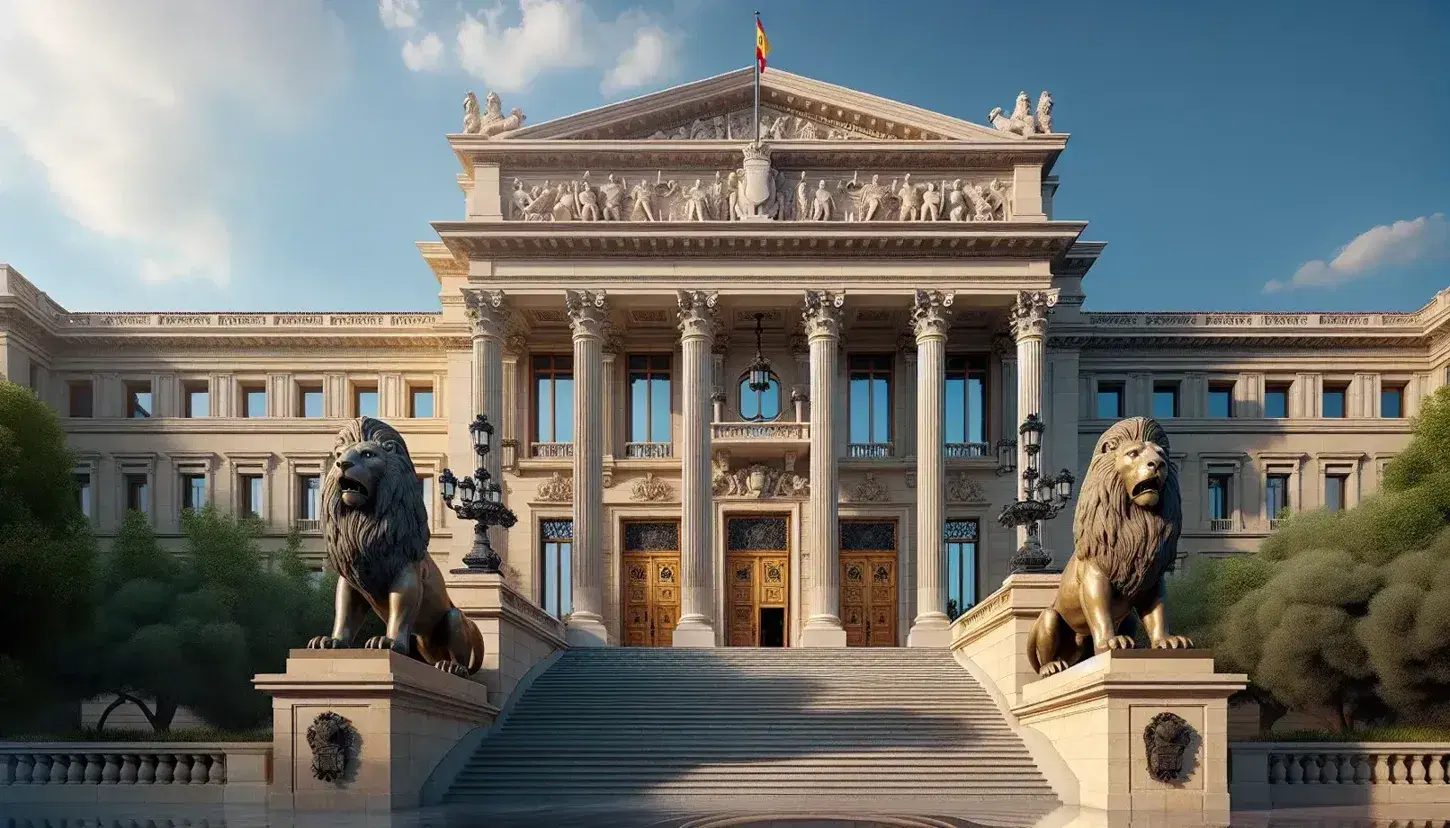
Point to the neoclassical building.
(747, 394)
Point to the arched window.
(762, 405)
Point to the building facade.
(747, 394)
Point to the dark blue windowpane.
(1392, 403)
(659, 401)
(1110, 403)
(1276, 403)
(564, 410)
(976, 411)
(860, 410)
(1334, 403)
(880, 411)
(639, 414)
(955, 425)
(1220, 402)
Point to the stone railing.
(648, 451)
(172, 772)
(275, 321)
(797, 432)
(1221, 525)
(963, 451)
(1288, 774)
(551, 451)
(1253, 320)
(868, 451)
(309, 526)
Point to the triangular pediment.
(792, 108)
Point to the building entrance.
(757, 567)
(868, 582)
(651, 582)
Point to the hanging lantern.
(759, 370)
(1031, 432)
(1064, 485)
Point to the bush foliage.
(1345, 614)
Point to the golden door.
(651, 598)
(758, 591)
(868, 598)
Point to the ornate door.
(758, 572)
(651, 583)
(868, 583)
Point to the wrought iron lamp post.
(1045, 496)
(480, 500)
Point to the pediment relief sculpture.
(774, 126)
(757, 481)
(490, 121)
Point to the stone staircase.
(755, 722)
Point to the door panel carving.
(868, 583)
(758, 578)
(651, 585)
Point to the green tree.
(1347, 614)
(192, 630)
(47, 553)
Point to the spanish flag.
(762, 45)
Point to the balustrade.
(962, 451)
(648, 451)
(868, 451)
(551, 451)
(1269, 774)
(124, 765)
(800, 432)
(1221, 525)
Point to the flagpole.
(757, 81)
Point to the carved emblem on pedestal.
(1166, 740)
(333, 740)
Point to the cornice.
(1185, 426)
(855, 240)
(236, 425)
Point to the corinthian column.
(1029, 327)
(588, 317)
(697, 597)
(930, 321)
(823, 334)
(485, 309)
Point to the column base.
(823, 631)
(586, 630)
(931, 629)
(693, 632)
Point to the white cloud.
(424, 55)
(553, 35)
(119, 107)
(652, 57)
(398, 14)
(1388, 245)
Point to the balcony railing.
(648, 451)
(961, 451)
(309, 526)
(868, 451)
(1220, 525)
(551, 451)
(1275, 523)
(760, 431)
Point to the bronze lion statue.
(1125, 539)
(376, 529)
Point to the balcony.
(309, 526)
(648, 451)
(1220, 525)
(551, 451)
(869, 451)
(969, 451)
(1275, 523)
(761, 440)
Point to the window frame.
(952, 547)
(416, 387)
(872, 372)
(964, 367)
(563, 551)
(1342, 478)
(90, 398)
(1398, 390)
(305, 387)
(554, 373)
(357, 389)
(1226, 478)
(1116, 387)
(743, 389)
(1339, 388)
(190, 481)
(189, 391)
(1284, 388)
(1173, 387)
(650, 373)
(1286, 478)
(1220, 387)
(131, 389)
(245, 390)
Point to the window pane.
(749, 402)
(193, 492)
(770, 401)
(880, 410)
(954, 579)
(1334, 403)
(1165, 403)
(638, 408)
(1110, 403)
(659, 401)
(422, 402)
(1220, 402)
(198, 404)
(1392, 403)
(551, 579)
(544, 398)
(1334, 493)
(255, 404)
(1276, 403)
(1218, 497)
(312, 403)
(83, 493)
(82, 400)
(566, 578)
(367, 403)
(564, 409)
(311, 486)
(140, 404)
(976, 410)
(859, 409)
(955, 426)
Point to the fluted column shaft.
(1029, 326)
(823, 333)
(697, 519)
(490, 319)
(588, 316)
(930, 320)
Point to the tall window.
(309, 497)
(966, 400)
(1276, 401)
(1335, 486)
(554, 399)
(869, 404)
(960, 537)
(1276, 496)
(759, 406)
(309, 401)
(138, 493)
(82, 399)
(365, 401)
(1165, 400)
(138, 400)
(1334, 401)
(1392, 402)
(557, 538)
(1220, 496)
(193, 491)
(427, 481)
(83, 494)
(198, 400)
(1221, 400)
(251, 491)
(1110, 400)
(254, 401)
(649, 398)
(420, 401)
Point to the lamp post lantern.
(1043, 497)
(480, 499)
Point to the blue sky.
(286, 154)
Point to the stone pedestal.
(406, 716)
(517, 633)
(993, 634)
(1095, 714)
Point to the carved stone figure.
(802, 199)
(1166, 740)
(957, 209)
(566, 203)
(869, 198)
(930, 202)
(697, 203)
(642, 198)
(1044, 113)
(375, 528)
(588, 200)
(1022, 121)
(541, 203)
(493, 122)
(869, 490)
(519, 200)
(613, 193)
(472, 118)
(909, 197)
(823, 206)
(1125, 539)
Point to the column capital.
(588, 313)
(822, 315)
(613, 341)
(486, 311)
(1029, 314)
(930, 318)
(697, 314)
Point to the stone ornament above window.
(557, 489)
(961, 488)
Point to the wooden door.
(651, 583)
(757, 580)
(868, 583)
